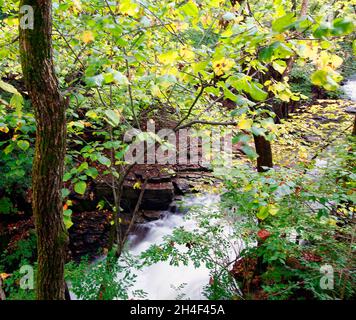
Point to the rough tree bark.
(49, 107)
(263, 147)
(264, 151)
(304, 8)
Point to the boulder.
(152, 215)
(181, 186)
(157, 196)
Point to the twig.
(192, 106)
(133, 219)
(2, 293)
(213, 123)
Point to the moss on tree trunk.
(49, 107)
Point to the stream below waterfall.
(162, 280)
(349, 88)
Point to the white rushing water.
(161, 280)
(350, 88)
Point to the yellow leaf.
(245, 124)
(4, 129)
(128, 7)
(168, 57)
(186, 53)
(308, 51)
(206, 20)
(137, 185)
(273, 209)
(336, 61)
(222, 65)
(4, 275)
(156, 92)
(87, 36)
(77, 5)
(11, 22)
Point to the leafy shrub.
(105, 279)
(284, 225)
(23, 253)
(16, 136)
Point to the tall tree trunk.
(263, 147)
(264, 151)
(49, 107)
(304, 8)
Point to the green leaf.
(104, 160)
(92, 172)
(279, 65)
(276, 50)
(303, 24)
(120, 154)
(262, 213)
(113, 117)
(258, 131)
(108, 77)
(283, 23)
(120, 78)
(5, 205)
(83, 166)
(92, 114)
(80, 187)
(67, 212)
(342, 26)
(17, 102)
(324, 30)
(257, 93)
(319, 77)
(65, 192)
(190, 9)
(8, 87)
(67, 222)
(9, 148)
(323, 79)
(273, 209)
(95, 81)
(242, 138)
(23, 144)
(67, 176)
(249, 152)
(266, 53)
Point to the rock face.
(181, 186)
(89, 234)
(91, 228)
(157, 195)
(163, 183)
(151, 215)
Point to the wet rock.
(157, 196)
(173, 207)
(151, 215)
(190, 168)
(181, 186)
(89, 233)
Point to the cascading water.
(350, 88)
(161, 280)
(164, 281)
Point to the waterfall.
(161, 280)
